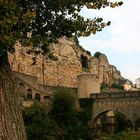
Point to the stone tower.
(87, 84)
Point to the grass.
(122, 136)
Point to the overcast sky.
(121, 40)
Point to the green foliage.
(39, 23)
(97, 54)
(122, 122)
(86, 113)
(76, 40)
(88, 52)
(120, 136)
(114, 85)
(103, 87)
(52, 57)
(137, 124)
(63, 112)
(63, 107)
(38, 124)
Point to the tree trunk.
(11, 121)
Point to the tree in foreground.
(36, 23)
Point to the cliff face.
(72, 61)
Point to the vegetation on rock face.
(103, 87)
(36, 23)
(114, 85)
(76, 40)
(97, 54)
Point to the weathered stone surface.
(124, 102)
(87, 84)
(72, 61)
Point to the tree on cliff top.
(36, 23)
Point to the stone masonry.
(124, 102)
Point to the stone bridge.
(127, 103)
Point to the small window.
(84, 62)
(29, 94)
(37, 97)
(47, 99)
(21, 89)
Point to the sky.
(121, 40)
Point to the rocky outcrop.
(72, 60)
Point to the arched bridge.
(127, 103)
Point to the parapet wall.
(125, 102)
(130, 94)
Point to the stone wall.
(124, 102)
(29, 90)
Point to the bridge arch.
(125, 102)
(93, 122)
(111, 118)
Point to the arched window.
(37, 97)
(84, 62)
(29, 94)
(47, 99)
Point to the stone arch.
(84, 62)
(47, 99)
(37, 97)
(93, 122)
(29, 95)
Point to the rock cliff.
(72, 60)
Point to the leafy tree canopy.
(40, 22)
(38, 124)
(63, 106)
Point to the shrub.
(137, 124)
(38, 124)
(103, 87)
(63, 106)
(97, 54)
(115, 85)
